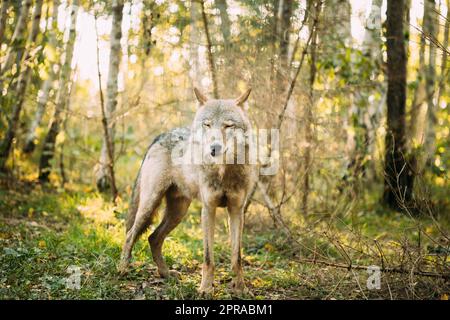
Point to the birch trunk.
(44, 92)
(102, 171)
(22, 83)
(423, 117)
(430, 83)
(283, 28)
(364, 116)
(212, 66)
(309, 109)
(48, 150)
(335, 38)
(16, 48)
(418, 107)
(444, 60)
(228, 68)
(147, 40)
(225, 24)
(195, 39)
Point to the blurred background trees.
(359, 89)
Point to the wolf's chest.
(226, 178)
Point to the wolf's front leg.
(236, 215)
(208, 223)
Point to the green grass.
(44, 232)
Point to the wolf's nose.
(216, 149)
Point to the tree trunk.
(3, 17)
(227, 54)
(283, 29)
(363, 116)
(284, 32)
(418, 112)
(430, 83)
(274, 46)
(48, 149)
(24, 77)
(444, 61)
(147, 42)
(103, 178)
(397, 186)
(309, 118)
(212, 67)
(225, 24)
(17, 45)
(195, 38)
(423, 108)
(44, 92)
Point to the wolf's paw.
(206, 291)
(238, 288)
(172, 274)
(122, 268)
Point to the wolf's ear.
(243, 97)
(200, 96)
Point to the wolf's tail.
(134, 203)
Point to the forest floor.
(44, 232)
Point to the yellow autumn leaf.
(257, 283)
(42, 244)
(269, 247)
(439, 181)
(444, 296)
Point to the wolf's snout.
(216, 149)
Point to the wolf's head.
(221, 128)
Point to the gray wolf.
(215, 183)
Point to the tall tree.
(397, 187)
(103, 178)
(18, 40)
(195, 38)
(282, 36)
(225, 51)
(365, 115)
(418, 107)
(21, 88)
(444, 78)
(423, 108)
(3, 17)
(212, 66)
(148, 20)
(371, 49)
(48, 149)
(309, 106)
(44, 92)
(225, 24)
(430, 80)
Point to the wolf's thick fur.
(215, 185)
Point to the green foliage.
(42, 234)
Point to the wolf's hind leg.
(150, 198)
(176, 209)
